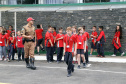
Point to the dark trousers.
(12, 51)
(68, 60)
(48, 51)
(59, 53)
(100, 49)
(54, 48)
(115, 50)
(51, 53)
(20, 50)
(86, 56)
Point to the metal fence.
(15, 2)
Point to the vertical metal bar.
(100, 1)
(0, 19)
(15, 22)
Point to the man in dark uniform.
(29, 35)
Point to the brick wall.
(107, 18)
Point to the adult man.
(29, 35)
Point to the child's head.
(12, 33)
(19, 33)
(54, 29)
(101, 28)
(60, 30)
(49, 28)
(74, 28)
(1, 28)
(94, 28)
(38, 26)
(119, 28)
(80, 30)
(69, 30)
(10, 27)
(83, 28)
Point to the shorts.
(80, 51)
(93, 46)
(39, 42)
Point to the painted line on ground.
(84, 69)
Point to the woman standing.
(116, 40)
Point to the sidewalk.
(117, 59)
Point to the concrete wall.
(107, 18)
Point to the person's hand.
(84, 50)
(61, 37)
(64, 52)
(91, 35)
(75, 52)
(29, 37)
(51, 45)
(6, 45)
(41, 25)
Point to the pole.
(15, 22)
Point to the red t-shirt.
(54, 33)
(9, 32)
(86, 34)
(39, 33)
(20, 42)
(80, 41)
(14, 42)
(2, 39)
(94, 34)
(47, 38)
(59, 42)
(69, 40)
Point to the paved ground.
(99, 73)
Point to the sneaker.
(84, 65)
(76, 62)
(78, 67)
(5, 59)
(88, 65)
(113, 55)
(0, 59)
(73, 62)
(122, 54)
(68, 75)
(54, 52)
(38, 53)
(98, 55)
(58, 62)
(102, 56)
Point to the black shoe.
(38, 53)
(32, 63)
(68, 75)
(84, 65)
(54, 52)
(73, 68)
(78, 67)
(27, 63)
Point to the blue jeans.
(3, 51)
(20, 50)
(12, 51)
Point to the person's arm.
(85, 44)
(99, 37)
(50, 42)
(64, 47)
(41, 26)
(35, 38)
(117, 39)
(12, 40)
(75, 52)
(24, 36)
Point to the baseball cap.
(30, 19)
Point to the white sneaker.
(122, 54)
(113, 55)
(88, 65)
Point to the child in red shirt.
(59, 40)
(2, 43)
(74, 34)
(39, 36)
(116, 40)
(93, 38)
(69, 40)
(101, 40)
(10, 29)
(54, 35)
(20, 46)
(48, 43)
(12, 46)
(81, 46)
(86, 34)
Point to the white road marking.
(83, 69)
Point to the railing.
(15, 2)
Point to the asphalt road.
(99, 73)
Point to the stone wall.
(107, 18)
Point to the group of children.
(73, 43)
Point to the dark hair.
(120, 29)
(49, 26)
(11, 33)
(101, 27)
(94, 26)
(11, 27)
(60, 28)
(83, 27)
(38, 26)
(1, 26)
(54, 28)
